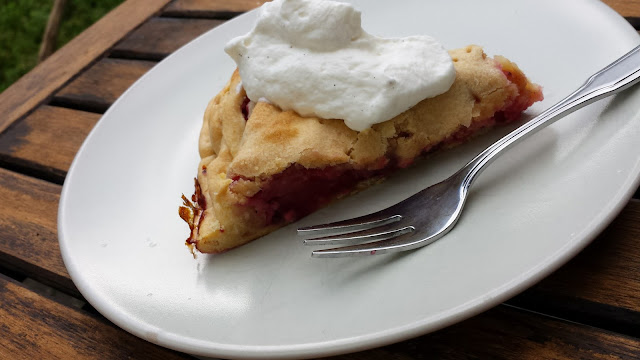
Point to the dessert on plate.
(319, 109)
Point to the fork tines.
(371, 233)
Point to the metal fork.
(428, 215)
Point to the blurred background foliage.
(22, 24)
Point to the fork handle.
(617, 76)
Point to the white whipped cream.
(313, 57)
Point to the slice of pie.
(262, 167)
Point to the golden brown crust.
(272, 140)
(314, 142)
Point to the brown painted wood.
(210, 8)
(28, 236)
(100, 85)
(34, 327)
(160, 36)
(508, 333)
(626, 8)
(47, 140)
(38, 85)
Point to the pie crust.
(262, 167)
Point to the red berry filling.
(245, 108)
(298, 191)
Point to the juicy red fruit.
(245, 108)
(297, 191)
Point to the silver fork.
(428, 215)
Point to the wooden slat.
(36, 86)
(210, 8)
(47, 140)
(159, 37)
(28, 236)
(626, 8)
(34, 327)
(508, 333)
(100, 85)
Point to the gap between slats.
(213, 9)
(43, 144)
(603, 316)
(161, 36)
(101, 85)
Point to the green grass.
(22, 24)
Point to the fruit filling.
(298, 191)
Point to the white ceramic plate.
(530, 212)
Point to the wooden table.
(590, 308)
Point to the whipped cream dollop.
(313, 57)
